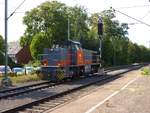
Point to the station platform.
(128, 94)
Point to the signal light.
(100, 26)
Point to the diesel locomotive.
(69, 60)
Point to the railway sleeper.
(52, 103)
(30, 110)
(40, 108)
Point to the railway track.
(33, 87)
(51, 104)
(41, 104)
(25, 89)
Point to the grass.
(24, 78)
(145, 71)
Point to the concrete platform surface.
(128, 94)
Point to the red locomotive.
(68, 61)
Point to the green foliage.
(145, 71)
(107, 51)
(35, 63)
(24, 41)
(1, 58)
(49, 18)
(1, 43)
(1, 50)
(47, 25)
(78, 22)
(39, 42)
(19, 79)
(115, 40)
(2, 54)
(116, 46)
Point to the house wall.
(24, 55)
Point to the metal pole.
(67, 70)
(6, 81)
(6, 57)
(100, 34)
(100, 47)
(68, 29)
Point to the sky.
(138, 33)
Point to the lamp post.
(6, 81)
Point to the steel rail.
(42, 85)
(36, 102)
(23, 87)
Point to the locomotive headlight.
(45, 62)
(80, 55)
(59, 64)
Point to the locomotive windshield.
(74, 44)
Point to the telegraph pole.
(6, 80)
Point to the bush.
(145, 71)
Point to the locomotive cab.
(76, 52)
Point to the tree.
(47, 24)
(49, 18)
(38, 43)
(52, 17)
(1, 44)
(78, 22)
(115, 37)
(24, 41)
(1, 50)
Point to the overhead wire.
(136, 6)
(141, 18)
(145, 15)
(20, 12)
(131, 17)
(16, 9)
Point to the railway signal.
(100, 27)
(100, 34)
